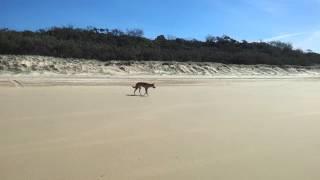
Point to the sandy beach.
(219, 129)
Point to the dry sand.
(213, 130)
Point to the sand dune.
(35, 66)
(208, 129)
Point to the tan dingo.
(143, 84)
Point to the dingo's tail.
(133, 86)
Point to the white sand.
(213, 130)
(35, 66)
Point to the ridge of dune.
(42, 65)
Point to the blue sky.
(294, 21)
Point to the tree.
(281, 45)
(171, 37)
(135, 32)
(211, 39)
(160, 38)
(117, 32)
(309, 51)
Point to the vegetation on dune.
(114, 44)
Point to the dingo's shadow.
(137, 95)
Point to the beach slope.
(216, 129)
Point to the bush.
(114, 44)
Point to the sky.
(294, 21)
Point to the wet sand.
(216, 129)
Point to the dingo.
(143, 84)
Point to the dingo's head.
(153, 85)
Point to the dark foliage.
(106, 44)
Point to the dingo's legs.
(134, 92)
(146, 93)
(140, 90)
